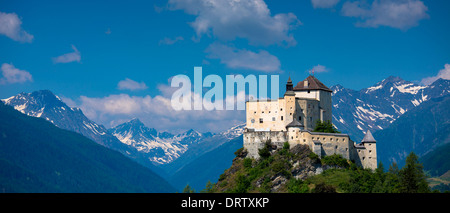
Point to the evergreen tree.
(188, 189)
(412, 176)
(209, 188)
(326, 126)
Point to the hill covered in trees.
(298, 170)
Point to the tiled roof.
(313, 84)
(368, 137)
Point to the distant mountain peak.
(392, 79)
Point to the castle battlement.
(292, 119)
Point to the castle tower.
(293, 132)
(370, 144)
(289, 103)
(312, 89)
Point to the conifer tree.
(412, 176)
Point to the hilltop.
(299, 170)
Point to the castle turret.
(370, 144)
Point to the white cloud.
(324, 3)
(68, 57)
(401, 14)
(10, 26)
(13, 75)
(249, 19)
(169, 41)
(157, 112)
(129, 84)
(320, 68)
(244, 59)
(443, 73)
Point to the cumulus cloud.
(228, 20)
(157, 112)
(68, 57)
(401, 14)
(129, 84)
(12, 75)
(169, 41)
(324, 3)
(443, 73)
(320, 68)
(10, 26)
(244, 59)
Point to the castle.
(293, 118)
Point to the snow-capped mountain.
(46, 105)
(234, 131)
(164, 147)
(374, 108)
(161, 147)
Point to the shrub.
(247, 163)
(335, 160)
(264, 152)
(297, 186)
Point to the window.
(281, 117)
(310, 118)
(281, 109)
(260, 120)
(253, 121)
(299, 118)
(273, 118)
(290, 113)
(254, 112)
(309, 91)
(262, 111)
(292, 137)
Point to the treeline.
(339, 175)
(410, 179)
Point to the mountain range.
(379, 108)
(36, 156)
(376, 107)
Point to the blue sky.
(114, 59)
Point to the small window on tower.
(260, 120)
(281, 117)
(299, 118)
(273, 118)
(281, 109)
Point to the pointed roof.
(313, 84)
(294, 123)
(368, 138)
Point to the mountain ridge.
(36, 156)
(376, 107)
